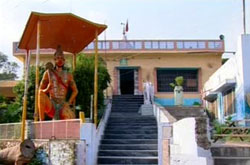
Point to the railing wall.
(55, 129)
(145, 45)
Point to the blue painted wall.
(170, 101)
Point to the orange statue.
(53, 90)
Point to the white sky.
(148, 19)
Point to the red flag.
(126, 29)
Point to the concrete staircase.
(231, 155)
(129, 138)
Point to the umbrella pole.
(74, 68)
(96, 78)
(74, 62)
(37, 69)
(24, 114)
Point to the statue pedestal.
(146, 110)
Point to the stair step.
(232, 157)
(130, 124)
(130, 127)
(231, 161)
(132, 132)
(129, 141)
(128, 147)
(230, 151)
(133, 111)
(137, 153)
(127, 160)
(132, 120)
(125, 114)
(129, 117)
(130, 104)
(130, 136)
(123, 164)
(127, 95)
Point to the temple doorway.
(127, 81)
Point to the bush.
(19, 91)
(9, 111)
(196, 103)
(178, 82)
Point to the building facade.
(132, 62)
(226, 91)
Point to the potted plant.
(178, 90)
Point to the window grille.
(167, 76)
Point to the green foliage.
(12, 111)
(224, 60)
(84, 77)
(228, 120)
(178, 82)
(35, 161)
(19, 90)
(172, 85)
(7, 69)
(40, 158)
(9, 111)
(196, 103)
(210, 115)
(218, 126)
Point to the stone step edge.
(123, 164)
(128, 144)
(129, 150)
(132, 134)
(231, 157)
(128, 157)
(130, 139)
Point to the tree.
(84, 78)
(19, 91)
(7, 69)
(9, 111)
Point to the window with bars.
(167, 76)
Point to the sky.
(148, 19)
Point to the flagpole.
(244, 16)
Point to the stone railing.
(145, 45)
(164, 135)
(55, 129)
(10, 131)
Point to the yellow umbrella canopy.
(73, 33)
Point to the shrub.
(178, 82)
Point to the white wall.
(238, 68)
(184, 136)
(184, 150)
